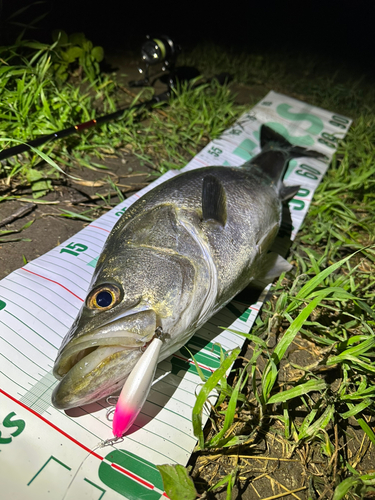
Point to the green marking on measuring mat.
(184, 365)
(93, 262)
(38, 398)
(96, 486)
(296, 204)
(78, 247)
(244, 150)
(202, 344)
(143, 481)
(118, 214)
(303, 140)
(316, 123)
(291, 166)
(2, 304)
(9, 423)
(245, 315)
(40, 470)
(200, 357)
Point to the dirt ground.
(267, 466)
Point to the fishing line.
(111, 400)
(79, 468)
(102, 444)
(156, 380)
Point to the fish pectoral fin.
(272, 266)
(214, 200)
(287, 192)
(265, 242)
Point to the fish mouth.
(94, 365)
(92, 349)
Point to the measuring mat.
(45, 452)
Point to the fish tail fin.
(275, 155)
(270, 139)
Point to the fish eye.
(104, 297)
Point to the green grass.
(344, 347)
(328, 308)
(320, 79)
(34, 102)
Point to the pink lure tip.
(123, 419)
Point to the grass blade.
(298, 391)
(205, 391)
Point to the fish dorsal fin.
(214, 200)
(287, 192)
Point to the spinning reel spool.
(156, 50)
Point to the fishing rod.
(172, 80)
(156, 50)
(21, 148)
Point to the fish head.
(133, 293)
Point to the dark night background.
(341, 29)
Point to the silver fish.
(177, 256)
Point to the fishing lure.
(136, 389)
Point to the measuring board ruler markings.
(39, 302)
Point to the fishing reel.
(156, 50)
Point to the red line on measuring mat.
(301, 198)
(205, 367)
(51, 425)
(52, 281)
(201, 161)
(97, 227)
(126, 472)
(133, 476)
